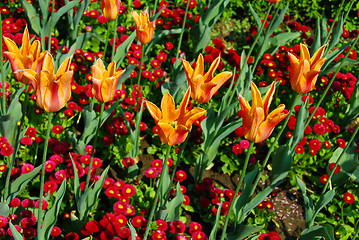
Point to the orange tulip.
(144, 28)
(258, 125)
(104, 81)
(28, 57)
(111, 8)
(274, 1)
(52, 90)
(204, 85)
(174, 124)
(304, 71)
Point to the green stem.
(180, 38)
(339, 158)
(106, 39)
(237, 190)
(42, 181)
(330, 83)
(273, 145)
(154, 204)
(175, 167)
(342, 212)
(3, 99)
(94, 147)
(114, 38)
(266, 36)
(139, 77)
(51, 20)
(356, 234)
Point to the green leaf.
(33, 16)
(4, 209)
(336, 34)
(122, 50)
(315, 232)
(80, 12)
(277, 20)
(352, 110)
(20, 183)
(242, 231)
(330, 57)
(308, 202)
(300, 123)
(214, 12)
(316, 42)
(174, 205)
(95, 191)
(164, 184)
(125, 75)
(132, 229)
(323, 201)
(200, 35)
(257, 19)
(215, 227)
(8, 123)
(77, 189)
(348, 164)
(281, 163)
(160, 34)
(16, 235)
(51, 216)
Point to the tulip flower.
(111, 9)
(258, 124)
(52, 90)
(304, 71)
(204, 85)
(28, 57)
(104, 81)
(274, 1)
(144, 28)
(174, 124)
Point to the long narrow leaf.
(16, 235)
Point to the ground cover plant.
(178, 120)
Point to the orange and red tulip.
(174, 124)
(144, 28)
(204, 85)
(274, 1)
(52, 90)
(304, 71)
(27, 57)
(104, 81)
(111, 8)
(258, 123)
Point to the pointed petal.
(198, 70)
(318, 55)
(257, 119)
(154, 111)
(304, 53)
(256, 97)
(64, 67)
(188, 69)
(11, 46)
(209, 75)
(25, 48)
(178, 135)
(165, 130)
(169, 112)
(268, 98)
(192, 116)
(266, 128)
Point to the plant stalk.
(154, 204)
(94, 147)
(106, 39)
(237, 190)
(42, 181)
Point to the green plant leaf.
(122, 50)
(336, 34)
(330, 57)
(32, 15)
(281, 163)
(51, 216)
(160, 34)
(323, 201)
(15, 233)
(312, 233)
(20, 183)
(348, 164)
(352, 110)
(174, 206)
(277, 20)
(215, 227)
(257, 19)
(300, 123)
(77, 189)
(308, 201)
(125, 75)
(200, 35)
(214, 12)
(316, 42)
(132, 229)
(4, 209)
(80, 12)
(242, 231)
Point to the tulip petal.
(178, 136)
(318, 55)
(209, 75)
(257, 118)
(256, 97)
(267, 100)
(169, 112)
(304, 53)
(154, 111)
(192, 116)
(188, 69)
(199, 68)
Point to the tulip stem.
(154, 204)
(94, 147)
(11, 161)
(106, 39)
(331, 82)
(180, 38)
(175, 167)
(237, 190)
(273, 145)
(114, 38)
(339, 158)
(3, 99)
(51, 20)
(40, 214)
